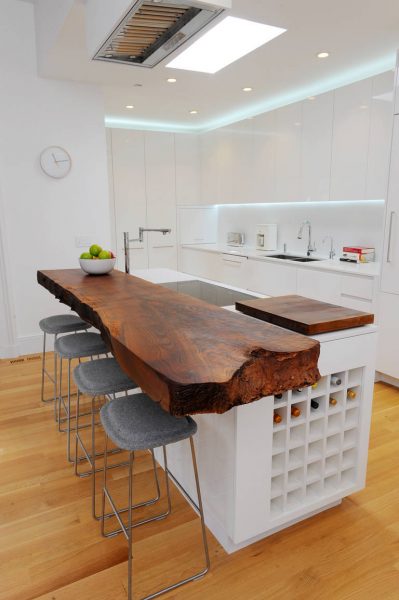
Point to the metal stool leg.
(53, 378)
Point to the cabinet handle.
(390, 236)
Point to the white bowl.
(97, 266)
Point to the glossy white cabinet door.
(317, 124)
(381, 121)
(161, 198)
(200, 263)
(288, 140)
(388, 335)
(241, 175)
(209, 159)
(197, 225)
(225, 161)
(396, 91)
(188, 178)
(350, 141)
(271, 279)
(264, 159)
(390, 262)
(233, 270)
(129, 189)
(319, 285)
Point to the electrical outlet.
(83, 241)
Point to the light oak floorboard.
(51, 549)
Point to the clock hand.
(52, 154)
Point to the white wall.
(348, 222)
(40, 217)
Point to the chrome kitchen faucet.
(126, 242)
(311, 247)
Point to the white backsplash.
(349, 223)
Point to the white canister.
(266, 236)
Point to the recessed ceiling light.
(193, 112)
(137, 85)
(311, 97)
(363, 106)
(171, 80)
(297, 124)
(323, 54)
(225, 43)
(129, 106)
(247, 89)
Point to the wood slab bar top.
(304, 315)
(189, 355)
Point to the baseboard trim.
(386, 379)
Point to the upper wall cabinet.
(381, 123)
(350, 141)
(264, 157)
(288, 140)
(210, 167)
(317, 128)
(188, 178)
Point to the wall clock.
(55, 162)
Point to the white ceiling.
(361, 35)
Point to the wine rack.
(314, 454)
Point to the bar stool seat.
(63, 324)
(80, 346)
(138, 423)
(56, 325)
(133, 423)
(101, 377)
(75, 345)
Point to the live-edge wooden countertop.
(189, 355)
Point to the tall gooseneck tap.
(127, 240)
(311, 246)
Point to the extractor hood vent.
(151, 30)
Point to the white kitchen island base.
(258, 477)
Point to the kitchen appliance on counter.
(357, 254)
(235, 238)
(266, 236)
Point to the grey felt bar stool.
(69, 347)
(135, 423)
(100, 378)
(57, 325)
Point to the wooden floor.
(50, 548)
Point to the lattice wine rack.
(315, 441)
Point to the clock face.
(55, 162)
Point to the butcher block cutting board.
(304, 315)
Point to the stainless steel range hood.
(152, 29)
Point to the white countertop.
(368, 269)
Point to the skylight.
(226, 42)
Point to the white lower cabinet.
(319, 285)
(200, 263)
(271, 279)
(233, 270)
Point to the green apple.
(104, 254)
(95, 250)
(86, 255)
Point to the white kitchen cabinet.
(350, 141)
(197, 225)
(200, 263)
(271, 279)
(390, 262)
(129, 190)
(161, 199)
(233, 270)
(388, 335)
(263, 136)
(288, 140)
(319, 285)
(209, 160)
(317, 130)
(188, 173)
(396, 89)
(242, 162)
(381, 122)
